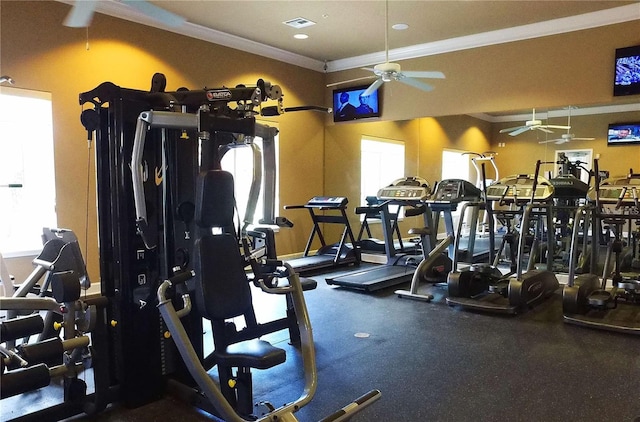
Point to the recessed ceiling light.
(400, 26)
(301, 36)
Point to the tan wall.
(554, 71)
(42, 54)
(316, 156)
(424, 141)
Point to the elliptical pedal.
(501, 287)
(600, 299)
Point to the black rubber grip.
(21, 327)
(48, 351)
(23, 380)
(181, 277)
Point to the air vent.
(299, 23)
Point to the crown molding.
(582, 111)
(120, 10)
(611, 16)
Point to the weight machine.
(65, 344)
(152, 150)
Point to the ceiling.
(351, 33)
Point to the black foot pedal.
(501, 288)
(600, 299)
(630, 285)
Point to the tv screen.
(624, 133)
(627, 72)
(350, 104)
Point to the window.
(455, 165)
(239, 161)
(381, 162)
(27, 175)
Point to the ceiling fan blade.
(373, 87)
(583, 139)
(542, 129)
(555, 127)
(415, 83)
(81, 14)
(509, 129)
(423, 74)
(370, 69)
(548, 141)
(350, 80)
(520, 130)
(155, 12)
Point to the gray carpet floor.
(436, 363)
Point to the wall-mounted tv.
(627, 71)
(350, 104)
(624, 133)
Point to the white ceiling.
(351, 33)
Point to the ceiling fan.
(532, 124)
(566, 137)
(387, 71)
(82, 12)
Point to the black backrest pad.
(223, 289)
(214, 199)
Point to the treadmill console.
(327, 202)
(455, 190)
(407, 188)
(623, 191)
(519, 188)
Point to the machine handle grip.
(182, 277)
(145, 234)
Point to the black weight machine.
(408, 192)
(67, 344)
(482, 287)
(326, 210)
(154, 151)
(586, 299)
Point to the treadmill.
(330, 210)
(398, 268)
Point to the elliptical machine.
(483, 290)
(586, 300)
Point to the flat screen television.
(350, 104)
(627, 71)
(624, 134)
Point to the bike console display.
(455, 190)
(622, 191)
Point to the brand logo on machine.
(218, 94)
(159, 173)
(535, 287)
